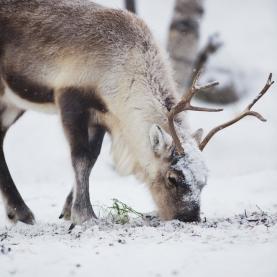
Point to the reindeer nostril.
(11, 216)
(190, 216)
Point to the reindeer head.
(182, 172)
(180, 177)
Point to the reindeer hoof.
(66, 213)
(22, 214)
(72, 226)
(80, 215)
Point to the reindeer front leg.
(96, 136)
(75, 113)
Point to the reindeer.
(101, 71)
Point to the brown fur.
(96, 67)
(59, 30)
(1, 87)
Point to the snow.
(239, 236)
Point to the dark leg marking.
(85, 147)
(15, 206)
(96, 136)
(28, 89)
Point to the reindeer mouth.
(190, 216)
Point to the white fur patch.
(9, 117)
(160, 140)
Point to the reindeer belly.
(28, 95)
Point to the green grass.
(119, 212)
(122, 212)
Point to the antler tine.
(194, 87)
(185, 105)
(246, 112)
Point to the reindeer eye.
(173, 180)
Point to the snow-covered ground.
(238, 235)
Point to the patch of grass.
(121, 212)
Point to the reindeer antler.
(185, 105)
(246, 112)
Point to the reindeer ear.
(159, 139)
(198, 135)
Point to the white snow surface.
(238, 233)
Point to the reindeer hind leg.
(15, 206)
(66, 212)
